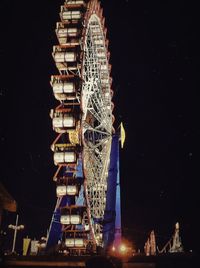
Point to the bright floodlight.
(122, 248)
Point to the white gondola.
(64, 90)
(63, 122)
(75, 219)
(72, 190)
(69, 242)
(66, 87)
(64, 57)
(77, 242)
(71, 32)
(59, 158)
(61, 190)
(71, 15)
(65, 219)
(74, 2)
(70, 157)
(64, 157)
(70, 219)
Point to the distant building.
(6, 202)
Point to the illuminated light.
(79, 242)
(87, 227)
(69, 242)
(43, 245)
(69, 15)
(64, 157)
(61, 190)
(66, 121)
(70, 219)
(66, 87)
(122, 248)
(107, 94)
(113, 248)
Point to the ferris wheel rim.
(95, 15)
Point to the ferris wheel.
(83, 121)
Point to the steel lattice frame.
(96, 120)
(88, 67)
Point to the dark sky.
(153, 54)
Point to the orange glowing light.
(113, 248)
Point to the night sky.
(153, 56)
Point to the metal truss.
(96, 121)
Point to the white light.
(122, 248)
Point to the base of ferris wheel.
(74, 239)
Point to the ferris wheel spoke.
(99, 129)
(101, 118)
(97, 173)
(94, 170)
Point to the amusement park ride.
(87, 215)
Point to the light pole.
(16, 228)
